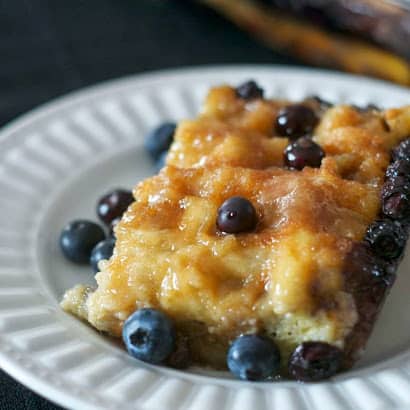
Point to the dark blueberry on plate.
(160, 163)
(402, 151)
(295, 120)
(149, 335)
(314, 361)
(78, 239)
(113, 204)
(303, 153)
(160, 139)
(235, 215)
(249, 90)
(386, 238)
(253, 357)
(103, 250)
(396, 205)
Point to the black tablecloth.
(50, 47)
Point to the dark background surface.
(51, 47)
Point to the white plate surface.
(56, 161)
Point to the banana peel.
(313, 44)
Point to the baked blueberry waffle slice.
(268, 242)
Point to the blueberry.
(314, 361)
(249, 90)
(398, 168)
(395, 197)
(160, 139)
(160, 163)
(236, 215)
(295, 120)
(402, 151)
(78, 239)
(397, 205)
(384, 275)
(303, 153)
(364, 269)
(392, 185)
(149, 335)
(253, 357)
(113, 204)
(103, 250)
(368, 278)
(386, 238)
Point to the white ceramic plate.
(56, 161)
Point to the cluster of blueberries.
(295, 122)
(388, 235)
(83, 241)
(396, 190)
(149, 334)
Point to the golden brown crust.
(287, 277)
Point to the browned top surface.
(170, 255)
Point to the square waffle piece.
(281, 220)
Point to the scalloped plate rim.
(117, 86)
